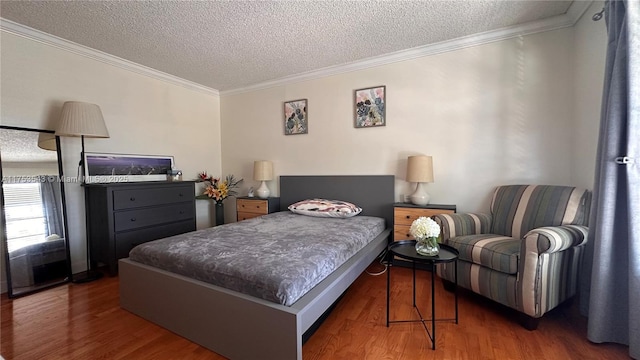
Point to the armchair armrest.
(550, 239)
(453, 225)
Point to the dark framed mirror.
(32, 211)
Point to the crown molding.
(576, 10)
(66, 45)
(570, 18)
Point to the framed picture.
(296, 117)
(107, 168)
(370, 107)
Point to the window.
(24, 215)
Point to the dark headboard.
(373, 193)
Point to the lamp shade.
(420, 169)
(262, 170)
(47, 141)
(81, 119)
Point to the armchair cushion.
(453, 225)
(495, 252)
(517, 209)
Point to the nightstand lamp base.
(420, 196)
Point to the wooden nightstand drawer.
(406, 216)
(401, 232)
(253, 206)
(249, 207)
(247, 215)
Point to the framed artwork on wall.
(370, 106)
(296, 117)
(107, 168)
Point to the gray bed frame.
(240, 326)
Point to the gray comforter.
(276, 257)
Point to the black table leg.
(433, 307)
(389, 259)
(414, 284)
(455, 290)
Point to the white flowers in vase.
(426, 232)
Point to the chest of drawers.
(121, 216)
(250, 207)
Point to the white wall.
(143, 115)
(590, 39)
(493, 114)
(29, 168)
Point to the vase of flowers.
(217, 190)
(426, 231)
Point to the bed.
(240, 326)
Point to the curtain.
(51, 204)
(610, 291)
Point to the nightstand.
(403, 216)
(250, 207)
(405, 213)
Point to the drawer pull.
(133, 219)
(132, 198)
(257, 206)
(180, 195)
(408, 216)
(181, 212)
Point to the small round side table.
(406, 249)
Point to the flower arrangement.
(426, 232)
(216, 189)
(424, 227)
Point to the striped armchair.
(526, 253)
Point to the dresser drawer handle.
(132, 198)
(181, 212)
(180, 195)
(133, 219)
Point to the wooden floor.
(84, 321)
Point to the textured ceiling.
(232, 44)
(22, 146)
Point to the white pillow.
(325, 208)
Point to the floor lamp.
(83, 120)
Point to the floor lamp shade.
(263, 171)
(420, 170)
(47, 141)
(81, 119)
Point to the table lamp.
(420, 170)
(263, 171)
